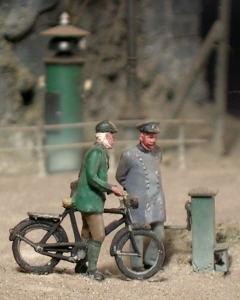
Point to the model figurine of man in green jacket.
(90, 196)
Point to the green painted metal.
(203, 232)
(206, 253)
(64, 107)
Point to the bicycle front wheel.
(25, 255)
(126, 258)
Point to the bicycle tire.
(26, 257)
(121, 246)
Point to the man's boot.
(152, 252)
(137, 262)
(94, 248)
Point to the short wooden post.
(181, 147)
(40, 151)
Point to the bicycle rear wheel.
(26, 256)
(124, 253)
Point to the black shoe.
(95, 274)
(147, 267)
(138, 269)
(81, 267)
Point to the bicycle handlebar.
(127, 201)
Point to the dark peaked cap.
(149, 127)
(106, 126)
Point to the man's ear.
(141, 137)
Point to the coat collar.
(143, 149)
(105, 150)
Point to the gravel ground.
(178, 281)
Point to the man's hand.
(117, 190)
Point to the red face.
(110, 138)
(148, 140)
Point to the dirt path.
(178, 281)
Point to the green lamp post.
(63, 97)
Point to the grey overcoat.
(139, 173)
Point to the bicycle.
(40, 242)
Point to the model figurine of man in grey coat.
(139, 173)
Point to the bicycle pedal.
(81, 254)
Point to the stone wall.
(167, 44)
(170, 34)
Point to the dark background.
(208, 16)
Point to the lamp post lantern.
(63, 98)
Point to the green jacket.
(92, 183)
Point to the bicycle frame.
(45, 235)
(79, 244)
(66, 247)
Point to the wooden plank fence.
(181, 142)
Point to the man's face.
(110, 137)
(148, 140)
